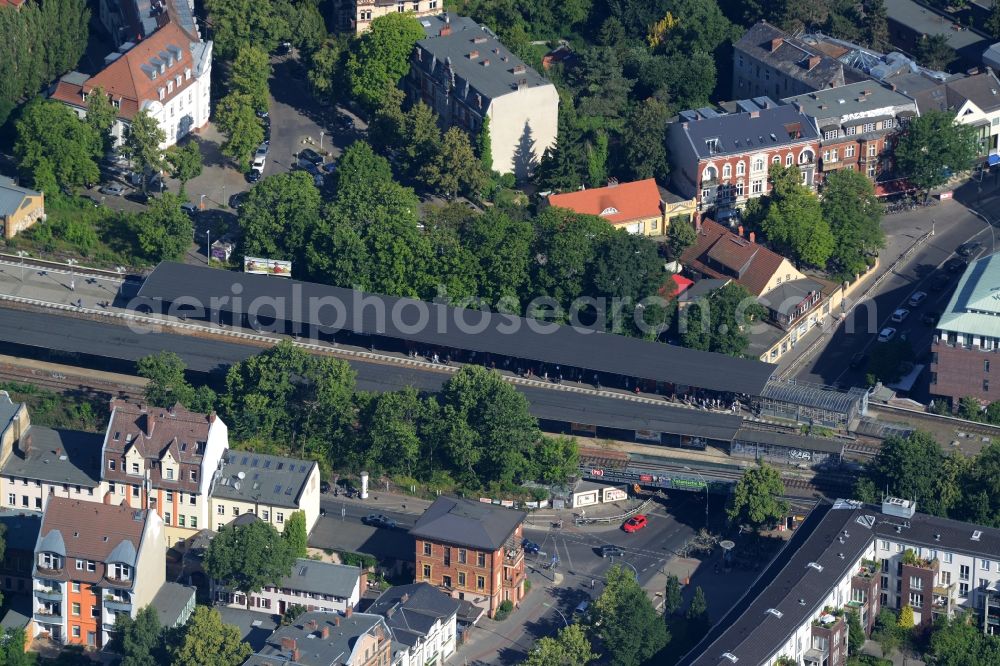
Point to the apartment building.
(471, 551)
(38, 463)
(20, 208)
(357, 15)
(163, 459)
(635, 207)
(858, 125)
(853, 556)
(318, 586)
(464, 74)
(328, 639)
(769, 61)
(423, 622)
(722, 159)
(20, 532)
(270, 487)
(168, 74)
(93, 561)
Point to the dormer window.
(178, 80)
(50, 561)
(120, 572)
(170, 473)
(712, 145)
(187, 73)
(161, 92)
(610, 210)
(170, 88)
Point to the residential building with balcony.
(38, 463)
(722, 159)
(357, 15)
(635, 207)
(168, 74)
(93, 561)
(423, 621)
(850, 555)
(269, 487)
(464, 74)
(858, 124)
(328, 639)
(164, 459)
(769, 61)
(964, 350)
(471, 551)
(318, 586)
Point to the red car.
(635, 523)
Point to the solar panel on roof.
(277, 489)
(267, 464)
(245, 459)
(255, 462)
(281, 466)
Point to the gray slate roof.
(749, 132)
(337, 580)
(492, 81)
(172, 602)
(466, 523)
(926, 22)
(411, 610)
(316, 651)
(20, 529)
(267, 479)
(849, 99)
(12, 195)
(58, 456)
(981, 89)
(8, 410)
(791, 56)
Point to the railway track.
(63, 383)
(62, 267)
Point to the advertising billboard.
(259, 266)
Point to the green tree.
(645, 142)
(185, 162)
(326, 71)
(720, 322)
(140, 640)
(167, 385)
(934, 146)
(484, 146)
(556, 459)
(992, 25)
(632, 630)
(239, 23)
(392, 422)
(865, 490)
(887, 632)
(970, 408)
(958, 641)
(206, 641)
(854, 214)
(279, 216)
(247, 557)
(934, 52)
(794, 219)
(235, 118)
(673, 598)
(680, 236)
(421, 140)
(503, 247)
(454, 169)
(163, 230)
(101, 116)
(569, 647)
(12, 648)
(597, 159)
(909, 467)
(306, 26)
(627, 267)
(697, 612)
(296, 534)
(905, 619)
(855, 632)
(757, 499)
(54, 148)
(249, 75)
(142, 145)
(977, 483)
(564, 246)
(497, 426)
(382, 57)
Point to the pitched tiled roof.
(791, 56)
(262, 478)
(153, 431)
(719, 253)
(16, 4)
(466, 523)
(719, 135)
(135, 78)
(617, 204)
(89, 531)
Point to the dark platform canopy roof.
(456, 328)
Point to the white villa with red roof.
(167, 74)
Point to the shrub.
(503, 610)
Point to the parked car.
(318, 180)
(608, 550)
(900, 315)
(917, 299)
(581, 610)
(189, 208)
(859, 360)
(252, 176)
(238, 199)
(379, 520)
(310, 156)
(259, 159)
(112, 189)
(139, 197)
(91, 198)
(635, 523)
(956, 265)
(886, 334)
(966, 250)
(263, 114)
(324, 486)
(530, 547)
(329, 168)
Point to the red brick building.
(472, 551)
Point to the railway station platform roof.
(444, 326)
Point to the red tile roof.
(16, 4)
(128, 79)
(617, 204)
(720, 253)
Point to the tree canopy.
(185, 161)
(569, 647)
(247, 557)
(631, 628)
(142, 145)
(164, 230)
(933, 147)
(54, 149)
(140, 640)
(757, 499)
(382, 57)
(721, 321)
(207, 641)
(854, 214)
(279, 215)
(238, 122)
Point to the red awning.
(890, 187)
(676, 286)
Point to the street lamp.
(201, 203)
(208, 247)
(72, 275)
(321, 139)
(565, 621)
(631, 566)
(705, 483)
(22, 254)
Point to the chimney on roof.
(404, 598)
(313, 625)
(813, 61)
(336, 620)
(149, 425)
(519, 69)
(486, 62)
(776, 42)
(445, 29)
(325, 632)
(107, 498)
(25, 444)
(473, 55)
(296, 654)
(739, 231)
(348, 611)
(753, 237)
(287, 643)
